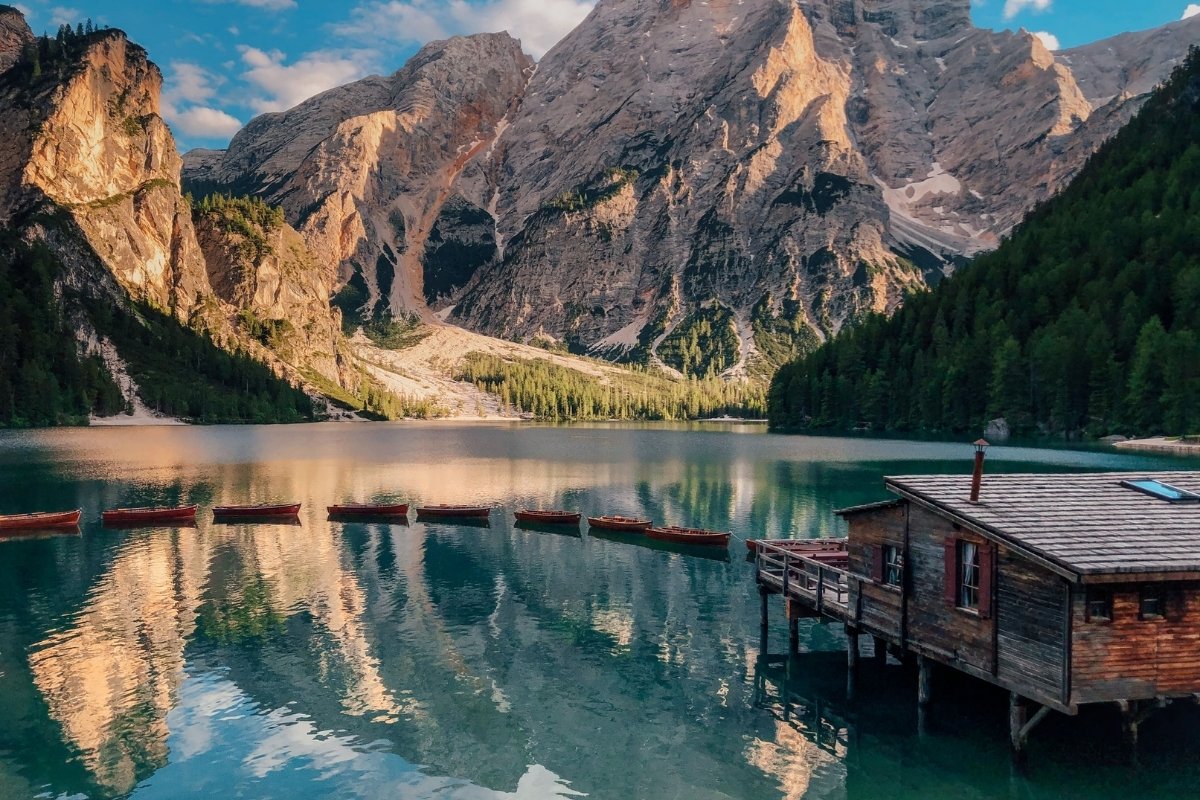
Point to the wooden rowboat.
(803, 546)
(549, 517)
(257, 512)
(138, 516)
(628, 524)
(672, 533)
(369, 510)
(459, 512)
(41, 520)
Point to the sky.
(226, 61)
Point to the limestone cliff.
(771, 167)
(364, 170)
(15, 36)
(90, 167)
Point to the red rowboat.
(40, 520)
(283, 510)
(672, 533)
(453, 511)
(369, 510)
(549, 517)
(118, 516)
(803, 546)
(620, 524)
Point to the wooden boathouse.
(1066, 590)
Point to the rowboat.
(802, 546)
(40, 521)
(369, 510)
(610, 523)
(696, 536)
(137, 516)
(257, 512)
(548, 517)
(459, 512)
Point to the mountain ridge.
(798, 165)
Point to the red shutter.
(877, 563)
(987, 554)
(950, 566)
(1176, 604)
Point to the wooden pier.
(1064, 590)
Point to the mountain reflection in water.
(375, 660)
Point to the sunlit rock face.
(364, 170)
(84, 140)
(796, 163)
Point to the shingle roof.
(1088, 524)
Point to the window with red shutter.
(877, 564)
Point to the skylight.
(1163, 491)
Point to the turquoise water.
(433, 660)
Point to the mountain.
(710, 187)
(370, 172)
(1085, 322)
(89, 190)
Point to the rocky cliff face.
(15, 35)
(767, 167)
(366, 171)
(85, 146)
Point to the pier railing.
(822, 587)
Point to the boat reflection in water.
(367, 658)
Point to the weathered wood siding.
(934, 624)
(1134, 659)
(878, 607)
(1031, 618)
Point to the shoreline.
(1160, 444)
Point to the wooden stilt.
(1018, 715)
(793, 635)
(880, 654)
(851, 662)
(1131, 720)
(924, 681)
(764, 631)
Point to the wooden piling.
(851, 662)
(880, 653)
(924, 681)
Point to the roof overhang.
(986, 531)
(868, 508)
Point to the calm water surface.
(441, 661)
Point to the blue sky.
(227, 60)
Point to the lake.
(437, 660)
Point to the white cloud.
(62, 15)
(1048, 39)
(186, 102)
(206, 122)
(1014, 7)
(1192, 10)
(268, 5)
(539, 24)
(281, 85)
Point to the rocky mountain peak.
(14, 36)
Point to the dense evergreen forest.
(1085, 322)
(182, 373)
(548, 391)
(43, 379)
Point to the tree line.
(548, 391)
(1085, 322)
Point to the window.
(893, 565)
(1163, 491)
(1099, 605)
(968, 575)
(1153, 603)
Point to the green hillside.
(1085, 322)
